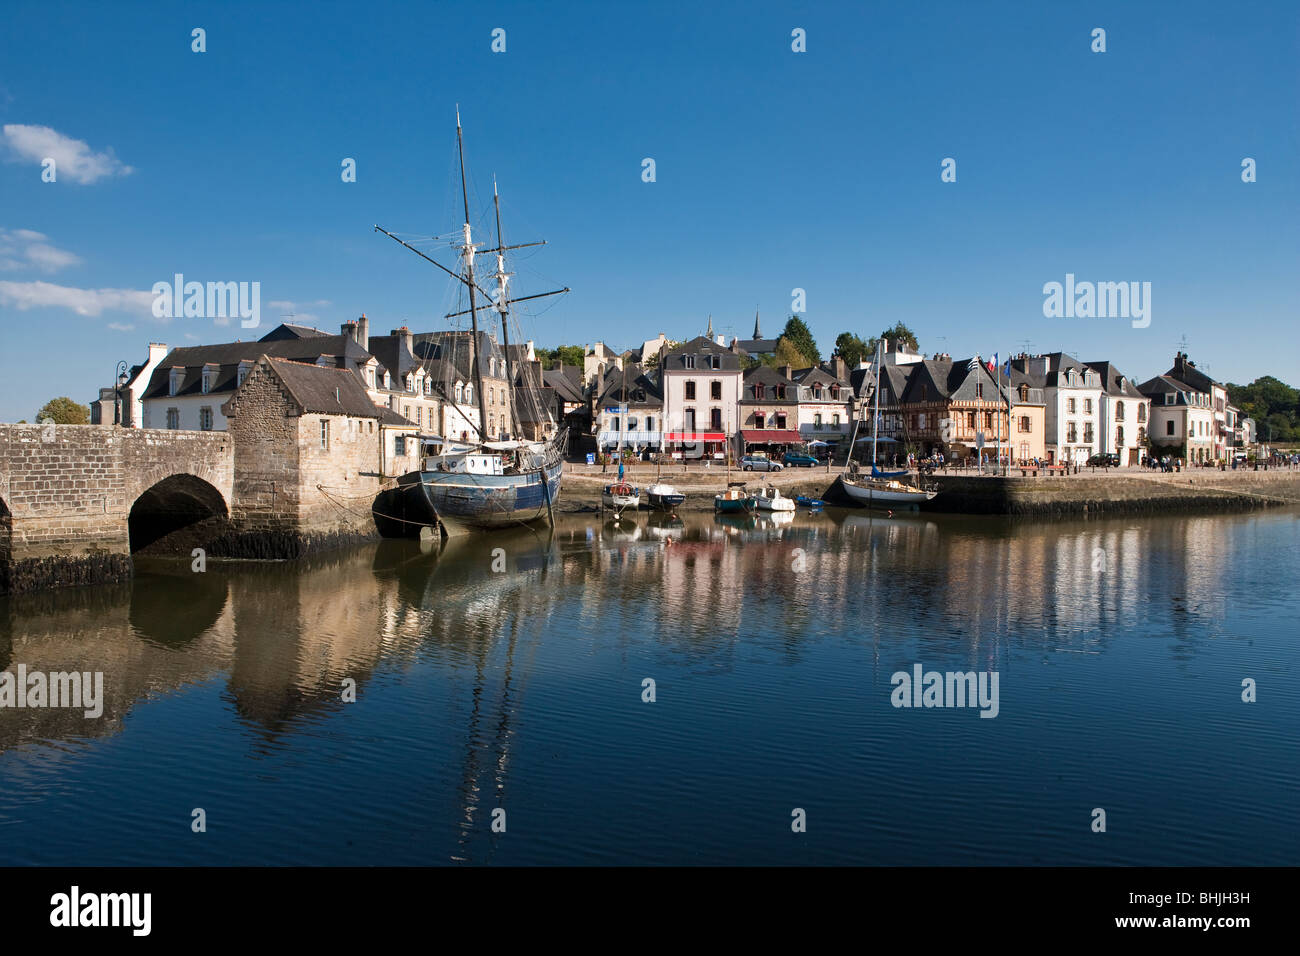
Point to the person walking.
(620, 470)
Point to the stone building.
(309, 462)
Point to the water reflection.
(808, 613)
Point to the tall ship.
(477, 480)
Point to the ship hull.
(461, 503)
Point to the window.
(1087, 433)
(1071, 433)
(1119, 411)
(174, 381)
(1024, 425)
(1087, 406)
(690, 391)
(688, 361)
(399, 445)
(1069, 405)
(817, 420)
(1169, 398)
(1119, 437)
(715, 361)
(406, 412)
(631, 424)
(970, 419)
(207, 381)
(388, 381)
(920, 420)
(715, 419)
(649, 423)
(835, 420)
(1169, 427)
(759, 419)
(780, 420)
(780, 393)
(817, 393)
(325, 433)
(492, 396)
(243, 374)
(173, 418)
(205, 418)
(690, 419)
(715, 390)
(469, 393)
(460, 393)
(759, 391)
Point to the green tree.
(568, 354)
(900, 333)
(64, 411)
(800, 336)
(850, 348)
(788, 354)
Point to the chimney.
(157, 352)
(557, 364)
(788, 371)
(349, 330)
(408, 339)
(841, 368)
(363, 332)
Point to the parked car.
(1104, 460)
(798, 459)
(759, 463)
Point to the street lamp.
(120, 382)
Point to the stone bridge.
(76, 501)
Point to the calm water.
(1120, 646)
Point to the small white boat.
(620, 497)
(771, 499)
(664, 497)
(884, 492)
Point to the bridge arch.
(176, 513)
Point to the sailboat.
(482, 484)
(881, 489)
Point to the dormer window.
(715, 361)
(759, 392)
(177, 376)
(688, 361)
(244, 369)
(469, 393)
(388, 381)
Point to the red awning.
(696, 436)
(763, 436)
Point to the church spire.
(709, 333)
(757, 334)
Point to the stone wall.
(69, 490)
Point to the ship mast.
(502, 306)
(467, 259)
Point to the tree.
(788, 354)
(799, 335)
(851, 348)
(900, 333)
(568, 354)
(64, 411)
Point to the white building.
(1124, 415)
(1073, 393)
(701, 383)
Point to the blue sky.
(775, 170)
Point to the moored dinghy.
(662, 496)
(620, 497)
(771, 499)
(735, 500)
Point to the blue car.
(799, 459)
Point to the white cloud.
(73, 158)
(119, 327)
(26, 249)
(46, 295)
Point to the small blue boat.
(807, 502)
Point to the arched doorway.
(176, 514)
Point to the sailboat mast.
(467, 254)
(504, 308)
(875, 411)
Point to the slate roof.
(639, 383)
(769, 378)
(392, 353)
(285, 331)
(674, 360)
(757, 346)
(566, 381)
(453, 347)
(325, 391)
(340, 350)
(1113, 381)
